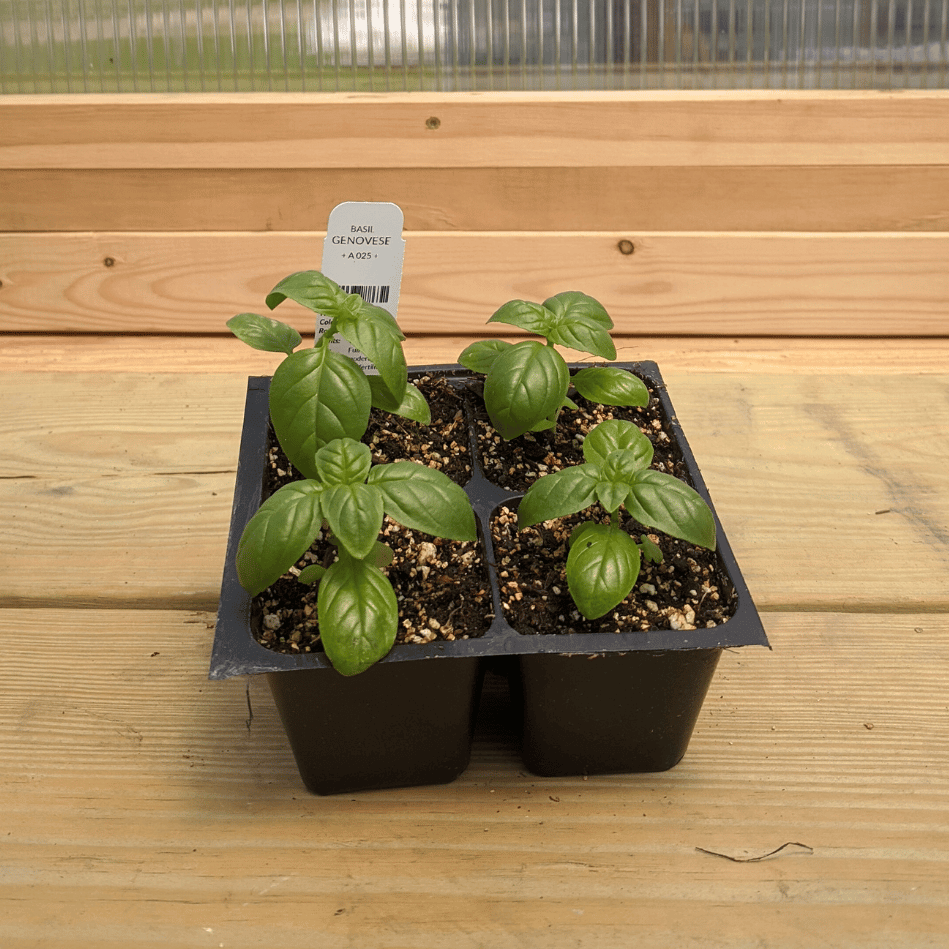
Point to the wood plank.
(475, 130)
(663, 198)
(672, 283)
(138, 798)
(225, 354)
(831, 487)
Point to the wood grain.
(673, 283)
(140, 799)
(647, 198)
(475, 130)
(831, 488)
(212, 355)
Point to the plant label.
(363, 253)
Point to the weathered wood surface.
(145, 806)
(832, 487)
(225, 354)
(697, 283)
(651, 198)
(476, 130)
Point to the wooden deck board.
(218, 354)
(138, 797)
(677, 283)
(129, 477)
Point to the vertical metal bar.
(713, 45)
(856, 40)
(836, 44)
(370, 44)
(83, 49)
(166, 40)
(420, 58)
(802, 48)
(199, 41)
(818, 45)
(283, 44)
(218, 59)
(353, 45)
(100, 46)
(115, 46)
(591, 47)
(472, 46)
(386, 45)
(608, 56)
(66, 57)
(733, 44)
(940, 79)
(750, 42)
(149, 45)
(540, 80)
(890, 35)
(557, 48)
(908, 68)
(3, 58)
(19, 68)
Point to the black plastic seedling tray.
(591, 703)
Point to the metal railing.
(343, 45)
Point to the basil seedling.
(527, 383)
(356, 605)
(318, 394)
(604, 560)
(319, 406)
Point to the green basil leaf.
(381, 555)
(587, 337)
(317, 395)
(617, 435)
(652, 552)
(343, 461)
(413, 405)
(578, 531)
(611, 494)
(527, 383)
(312, 574)
(480, 356)
(358, 614)
(610, 385)
(311, 289)
(602, 568)
(424, 499)
(575, 306)
(528, 316)
(374, 333)
(354, 514)
(279, 534)
(265, 333)
(659, 500)
(558, 494)
(621, 467)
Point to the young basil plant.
(527, 383)
(317, 394)
(604, 561)
(356, 605)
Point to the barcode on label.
(370, 294)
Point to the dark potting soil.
(442, 586)
(689, 589)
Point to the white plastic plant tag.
(363, 253)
